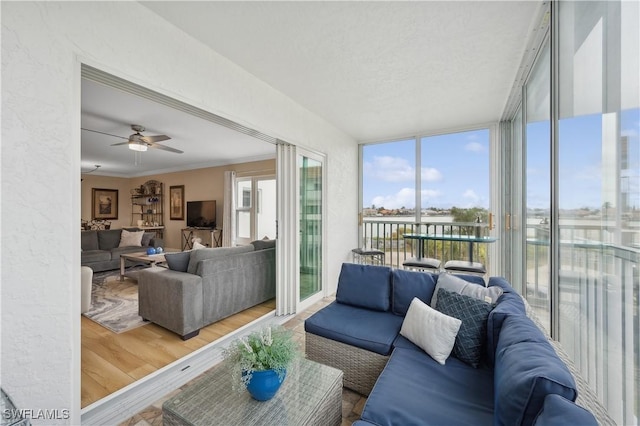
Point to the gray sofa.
(100, 249)
(206, 285)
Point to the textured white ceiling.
(375, 70)
(113, 111)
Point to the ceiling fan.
(139, 142)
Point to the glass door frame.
(321, 158)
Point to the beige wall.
(199, 184)
(123, 185)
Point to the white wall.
(42, 47)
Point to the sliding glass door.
(311, 203)
(599, 196)
(538, 186)
(581, 155)
(301, 230)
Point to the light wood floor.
(112, 361)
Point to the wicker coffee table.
(310, 395)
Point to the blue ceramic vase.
(264, 384)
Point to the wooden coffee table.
(310, 395)
(142, 257)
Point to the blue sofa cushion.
(413, 389)
(409, 284)
(510, 303)
(558, 411)
(518, 329)
(374, 331)
(460, 285)
(525, 373)
(403, 342)
(365, 286)
(502, 283)
(475, 279)
(471, 338)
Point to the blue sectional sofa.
(518, 379)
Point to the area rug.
(114, 303)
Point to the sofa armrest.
(171, 299)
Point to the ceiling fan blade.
(103, 133)
(120, 143)
(166, 148)
(152, 139)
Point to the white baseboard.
(130, 400)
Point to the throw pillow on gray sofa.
(146, 238)
(178, 261)
(263, 244)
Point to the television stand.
(188, 234)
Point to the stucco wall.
(42, 47)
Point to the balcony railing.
(387, 235)
(598, 303)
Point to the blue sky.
(455, 167)
(455, 172)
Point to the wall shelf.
(147, 207)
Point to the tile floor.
(352, 402)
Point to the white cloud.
(629, 132)
(474, 147)
(429, 195)
(405, 197)
(390, 169)
(429, 174)
(396, 169)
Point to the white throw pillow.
(197, 245)
(431, 330)
(131, 239)
(455, 284)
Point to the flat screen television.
(201, 214)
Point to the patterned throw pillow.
(473, 313)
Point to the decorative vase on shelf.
(263, 385)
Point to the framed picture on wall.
(176, 202)
(104, 203)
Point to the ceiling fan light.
(136, 146)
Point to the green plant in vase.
(259, 361)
